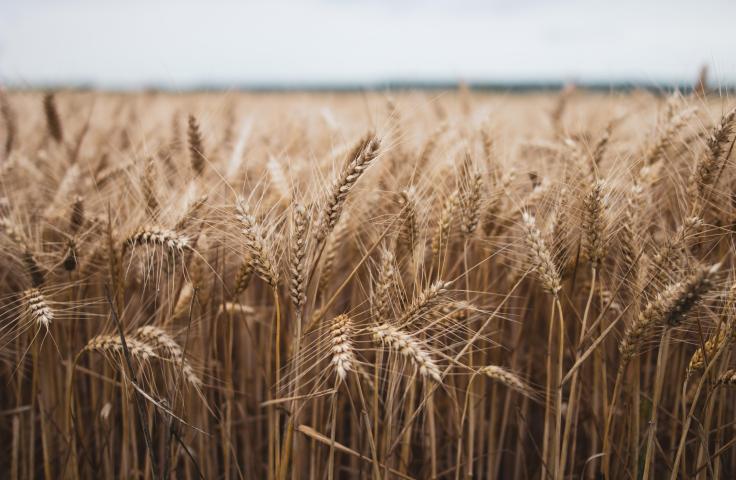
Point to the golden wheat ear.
(261, 252)
(359, 159)
(196, 146)
(297, 266)
(53, 121)
(541, 257)
(668, 309)
(169, 348)
(343, 356)
(11, 122)
(507, 378)
(409, 347)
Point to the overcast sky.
(181, 43)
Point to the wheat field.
(446, 284)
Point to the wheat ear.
(53, 122)
(264, 263)
(196, 146)
(359, 160)
(160, 340)
(508, 378)
(408, 346)
(300, 224)
(38, 309)
(542, 260)
(595, 224)
(669, 309)
(343, 357)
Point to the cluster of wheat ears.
(303, 286)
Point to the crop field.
(379, 285)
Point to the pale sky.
(183, 43)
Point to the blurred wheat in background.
(417, 285)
